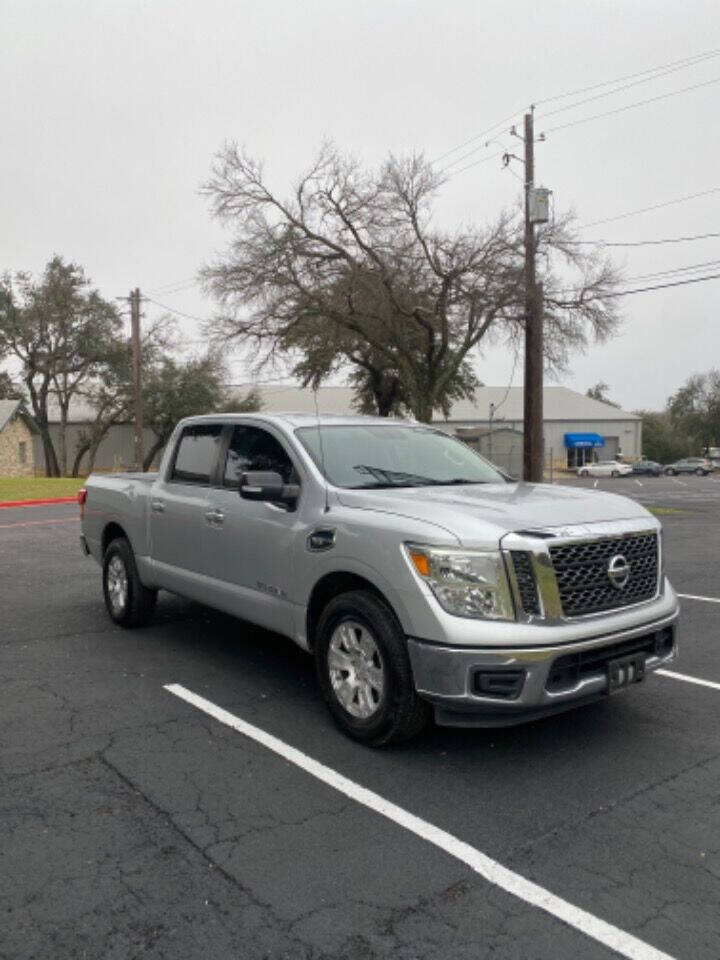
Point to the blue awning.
(584, 440)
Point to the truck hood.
(482, 513)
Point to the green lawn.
(38, 488)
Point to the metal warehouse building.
(576, 428)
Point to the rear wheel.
(128, 602)
(700, 472)
(614, 473)
(584, 473)
(670, 472)
(364, 671)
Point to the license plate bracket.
(625, 670)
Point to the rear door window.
(196, 455)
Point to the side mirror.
(268, 486)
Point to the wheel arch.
(331, 585)
(112, 531)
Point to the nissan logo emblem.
(618, 571)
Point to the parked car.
(698, 465)
(417, 577)
(605, 468)
(647, 468)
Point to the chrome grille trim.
(539, 544)
(581, 571)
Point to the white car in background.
(605, 468)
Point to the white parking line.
(688, 679)
(692, 596)
(681, 482)
(595, 484)
(605, 933)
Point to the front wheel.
(364, 671)
(614, 473)
(128, 601)
(584, 473)
(700, 472)
(670, 472)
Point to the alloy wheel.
(356, 669)
(117, 584)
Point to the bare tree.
(355, 255)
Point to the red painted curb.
(37, 503)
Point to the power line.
(687, 61)
(627, 293)
(493, 156)
(631, 106)
(642, 243)
(188, 316)
(664, 273)
(176, 287)
(625, 86)
(597, 116)
(668, 67)
(481, 146)
(477, 136)
(655, 206)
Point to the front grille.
(567, 671)
(525, 577)
(581, 570)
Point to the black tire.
(614, 473)
(584, 473)
(400, 713)
(670, 472)
(700, 472)
(138, 605)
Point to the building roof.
(8, 410)
(560, 403)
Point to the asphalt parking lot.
(135, 825)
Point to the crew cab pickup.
(420, 578)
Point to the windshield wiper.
(457, 481)
(393, 478)
(379, 485)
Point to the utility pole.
(533, 382)
(137, 377)
(490, 434)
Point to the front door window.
(252, 448)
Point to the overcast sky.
(112, 112)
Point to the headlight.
(466, 583)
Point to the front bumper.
(530, 682)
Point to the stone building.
(17, 432)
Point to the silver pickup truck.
(420, 578)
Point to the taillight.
(82, 497)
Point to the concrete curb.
(47, 501)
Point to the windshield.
(367, 456)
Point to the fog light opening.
(502, 684)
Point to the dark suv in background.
(648, 468)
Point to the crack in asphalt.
(571, 827)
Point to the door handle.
(157, 506)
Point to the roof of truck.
(299, 419)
